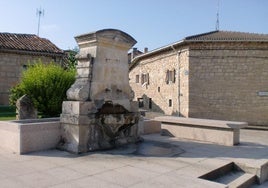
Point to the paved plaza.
(116, 169)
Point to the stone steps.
(244, 181)
(230, 175)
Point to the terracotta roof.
(227, 36)
(213, 36)
(27, 43)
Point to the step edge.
(219, 170)
(243, 181)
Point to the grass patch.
(7, 113)
(7, 118)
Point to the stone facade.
(16, 52)
(11, 67)
(225, 83)
(225, 80)
(156, 94)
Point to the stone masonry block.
(75, 138)
(75, 119)
(78, 107)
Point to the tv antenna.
(39, 12)
(218, 17)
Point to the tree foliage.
(46, 85)
(71, 61)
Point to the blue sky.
(153, 23)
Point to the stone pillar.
(100, 113)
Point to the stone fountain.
(100, 113)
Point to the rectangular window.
(137, 78)
(145, 79)
(150, 103)
(24, 67)
(158, 89)
(140, 101)
(169, 102)
(170, 76)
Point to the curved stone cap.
(110, 36)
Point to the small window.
(137, 78)
(140, 101)
(24, 67)
(150, 103)
(170, 102)
(158, 89)
(170, 76)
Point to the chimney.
(145, 50)
(134, 53)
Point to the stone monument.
(100, 113)
(25, 108)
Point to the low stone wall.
(214, 131)
(24, 136)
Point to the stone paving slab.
(60, 169)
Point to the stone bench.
(215, 131)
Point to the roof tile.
(27, 42)
(227, 36)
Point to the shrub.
(15, 93)
(46, 85)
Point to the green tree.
(46, 85)
(71, 61)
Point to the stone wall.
(224, 81)
(164, 96)
(217, 81)
(11, 66)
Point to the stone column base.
(83, 129)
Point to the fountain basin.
(24, 136)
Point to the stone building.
(16, 51)
(215, 75)
(134, 53)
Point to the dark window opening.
(150, 103)
(169, 102)
(141, 103)
(24, 67)
(158, 89)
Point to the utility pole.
(39, 12)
